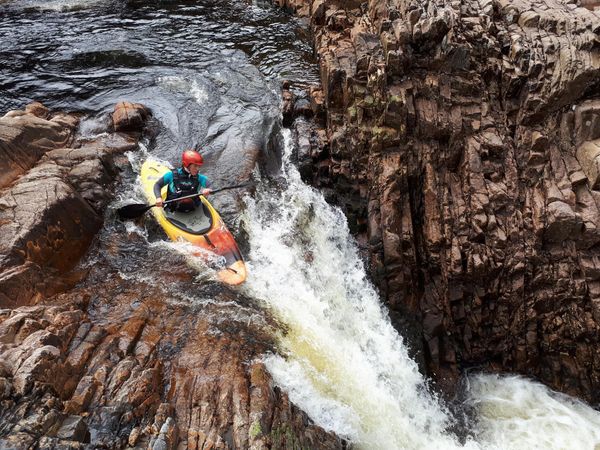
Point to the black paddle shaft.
(136, 210)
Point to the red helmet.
(191, 157)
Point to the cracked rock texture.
(51, 212)
(462, 138)
(91, 358)
(133, 376)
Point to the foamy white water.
(340, 343)
(516, 413)
(62, 5)
(344, 363)
(185, 85)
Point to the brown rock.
(129, 116)
(588, 155)
(587, 121)
(41, 365)
(49, 216)
(5, 388)
(206, 392)
(74, 428)
(468, 132)
(24, 138)
(38, 110)
(134, 436)
(563, 223)
(287, 108)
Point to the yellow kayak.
(202, 227)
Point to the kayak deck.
(198, 221)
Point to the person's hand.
(159, 202)
(205, 191)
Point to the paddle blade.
(133, 211)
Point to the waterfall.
(342, 362)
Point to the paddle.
(136, 210)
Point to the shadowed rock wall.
(462, 139)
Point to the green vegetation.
(283, 437)
(255, 429)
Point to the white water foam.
(136, 160)
(343, 362)
(184, 85)
(93, 127)
(204, 262)
(62, 5)
(515, 413)
(137, 157)
(339, 342)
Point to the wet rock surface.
(93, 358)
(50, 214)
(129, 116)
(461, 138)
(25, 135)
(134, 376)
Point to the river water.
(210, 71)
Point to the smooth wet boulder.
(129, 116)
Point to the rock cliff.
(462, 138)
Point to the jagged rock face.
(134, 376)
(50, 214)
(468, 130)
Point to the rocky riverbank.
(92, 359)
(462, 140)
(54, 191)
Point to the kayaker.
(186, 180)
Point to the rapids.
(210, 72)
(343, 363)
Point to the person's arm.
(160, 183)
(204, 190)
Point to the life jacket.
(183, 184)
